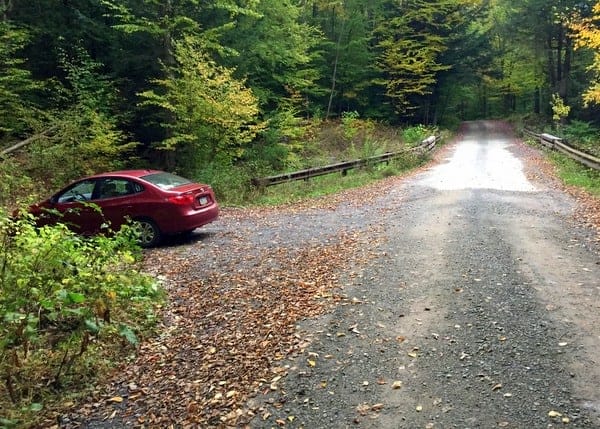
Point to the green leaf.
(92, 326)
(76, 298)
(126, 332)
(7, 423)
(13, 317)
(47, 304)
(36, 406)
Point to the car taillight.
(182, 200)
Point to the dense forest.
(198, 86)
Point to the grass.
(315, 187)
(575, 174)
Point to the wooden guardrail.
(426, 145)
(556, 143)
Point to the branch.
(25, 142)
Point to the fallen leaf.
(117, 399)
(377, 407)
(363, 409)
(553, 413)
(396, 384)
(497, 387)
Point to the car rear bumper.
(189, 220)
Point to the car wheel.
(148, 233)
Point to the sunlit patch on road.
(480, 165)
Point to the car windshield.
(166, 180)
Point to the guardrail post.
(549, 140)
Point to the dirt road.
(481, 309)
(464, 296)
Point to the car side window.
(80, 191)
(116, 187)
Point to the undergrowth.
(70, 308)
(576, 174)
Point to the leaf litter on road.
(223, 333)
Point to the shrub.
(413, 136)
(65, 303)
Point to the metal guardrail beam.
(426, 146)
(556, 143)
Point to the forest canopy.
(197, 86)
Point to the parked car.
(157, 202)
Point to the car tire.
(149, 234)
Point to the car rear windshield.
(166, 180)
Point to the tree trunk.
(334, 74)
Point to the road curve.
(479, 309)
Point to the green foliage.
(211, 114)
(583, 135)
(230, 183)
(13, 183)
(65, 301)
(412, 40)
(333, 183)
(275, 42)
(560, 110)
(17, 113)
(414, 135)
(350, 124)
(575, 174)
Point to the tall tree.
(587, 36)
(273, 50)
(17, 110)
(347, 62)
(214, 114)
(411, 40)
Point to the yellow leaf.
(396, 384)
(311, 363)
(553, 413)
(116, 399)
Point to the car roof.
(125, 173)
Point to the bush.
(13, 183)
(66, 302)
(413, 136)
(582, 135)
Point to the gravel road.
(479, 307)
(469, 298)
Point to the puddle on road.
(479, 165)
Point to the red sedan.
(158, 203)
